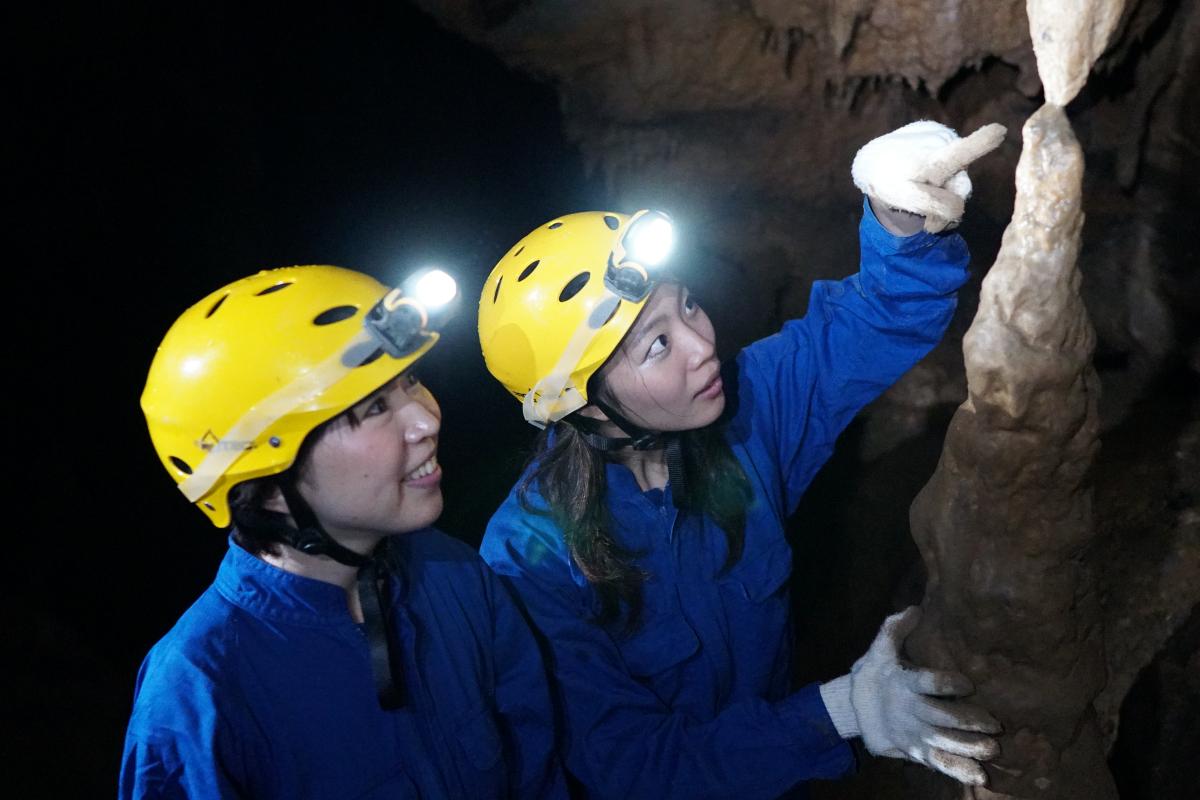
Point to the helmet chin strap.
(641, 439)
(309, 537)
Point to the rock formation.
(1005, 524)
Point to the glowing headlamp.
(636, 258)
(404, 320)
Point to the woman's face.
(666, 376)
(374, 472)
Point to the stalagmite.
(1005, 524)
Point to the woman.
(646, 539)
(345, 649)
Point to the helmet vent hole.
(216, 305)
(273, 289)
(371, 358)
(496, 293)
(612, 222)
(520, 250)
(335, 314)
(554, 226)
(181, 465)
(573, 286)
(613, 314)
(525, 273)
(209, 506)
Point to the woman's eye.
(377, 406)
(690, 304)
(657, 346)
(411, 379)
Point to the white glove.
(896, 710)
(921, 168)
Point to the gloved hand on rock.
(905, 712)
(921, 169)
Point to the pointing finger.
(956, 155)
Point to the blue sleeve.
(621, 740)
(527, 720)
(806, 383)
(172, 745)
(155, 767)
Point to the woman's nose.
(700, 348)
(420, 422)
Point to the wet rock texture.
(1006, 523)
(743, 117)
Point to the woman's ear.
(591, 412)
(274, 501)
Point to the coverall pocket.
(662, 642)
(762, 573)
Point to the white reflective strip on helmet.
(241, 436)
(551, 398)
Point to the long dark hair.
(570, 476)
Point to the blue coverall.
(264, 689)
(696, 703)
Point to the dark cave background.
(164, 153)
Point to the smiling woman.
(345, 648)
(373, 471)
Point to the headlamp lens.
(650, 240)
(434, 289)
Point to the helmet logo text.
(209, 442)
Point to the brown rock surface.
(1005, 523)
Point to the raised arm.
(804, 385)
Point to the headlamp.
(401, 322)
(638, 255)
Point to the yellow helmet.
(558, 304)
(245, 374)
